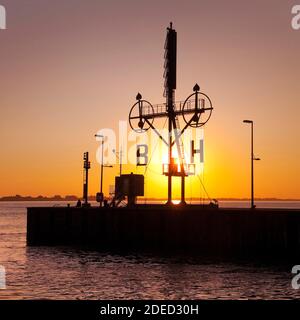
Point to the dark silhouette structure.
(86, 167)
(78, 204)
(130, 186)
(206, 231)
(143, 114)
(253, 158)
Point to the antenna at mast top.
(171, 25)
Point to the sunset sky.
(69, 68)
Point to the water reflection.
(66, 273)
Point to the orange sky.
(70, 68)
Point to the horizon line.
(92, 197)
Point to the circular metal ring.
(141, 111)
(196, 117)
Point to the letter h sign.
(195, 151)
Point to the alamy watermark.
(296, 279)
(151, 146)
(296, 17)
(2, 278)
(2, 18)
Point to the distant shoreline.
(39, 198)
(93, 198)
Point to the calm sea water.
(66, 273)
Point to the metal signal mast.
(86, 167)
(196, 111)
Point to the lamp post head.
(247, 121)
(99, 136)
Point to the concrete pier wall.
(192, 229)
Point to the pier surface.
(192, 229)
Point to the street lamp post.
(252, 164)
(101, 195)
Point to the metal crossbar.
(160, 110)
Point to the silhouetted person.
(78, 205)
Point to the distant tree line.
(39, 198)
